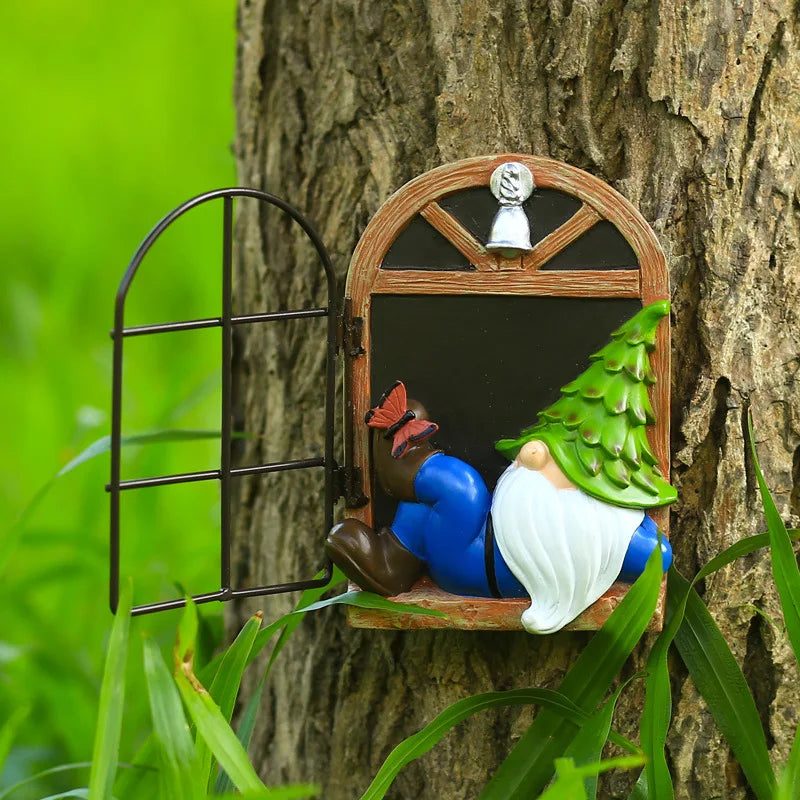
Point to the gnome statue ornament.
(566, 518)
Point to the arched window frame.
(494, 275)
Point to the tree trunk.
(692, 113)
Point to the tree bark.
(691, 112)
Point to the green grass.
(112, 114)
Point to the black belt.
(488, 558)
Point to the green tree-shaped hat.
(596, 431)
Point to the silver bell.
(510, 236)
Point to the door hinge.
(350, 331)
(348, 483)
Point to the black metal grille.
(224, 474)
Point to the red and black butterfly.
(392, 416)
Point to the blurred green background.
(113, 113)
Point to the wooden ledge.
(485, 614)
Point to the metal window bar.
(224, 474)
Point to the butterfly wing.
(417, 430)
(390, 408)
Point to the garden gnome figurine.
(566, 518)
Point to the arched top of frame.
(421, 196)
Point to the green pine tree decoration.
(596, 431)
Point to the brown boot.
(376, 561)
(396, 475)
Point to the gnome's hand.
(536, 455)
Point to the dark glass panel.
(601, 247)
(421, 246)
(484, 366)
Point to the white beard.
(565, 547)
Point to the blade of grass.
(657, 712)
(569, 781)
(529, 766)
(79, 765)
(112, 693)
(81, 793)
(784, 564)
(44, 774)
(211, 725)
(142, 780)
(434, 731)
(779, 629)
(744, 547)
(218, 735)
(287, 625)
(639, 791)
(291, 792)
(243, 733)
(307, 603)
(290, 621)
(568, 785)
(789, 784)
(186, 640)
(225, 687)
(9, 731)
(722, 685)
(587, 746)
(179, 776)
(96, 448)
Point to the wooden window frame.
(495, 275)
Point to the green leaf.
(142, 780)
(7, 792)
(587, 746)
(9, 731)
(225, 686)
(187, 633)
(720, 681)
(290, 792)
(363, 599)
(287, 625)
(103, 444)
(79, 793)
(80, 765)
(744, 547)
(209, 721)
(656, 781)
(657, 711)
(112, 693)
(569, 782)
(359, 599)
(179, 776)
(784, 563)
(639, 791)
(779, 629)
(243, 733)
(96, 448)
(529, 766)
(789, 784)
(218, 735)
(432, 733)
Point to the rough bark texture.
(693, 113)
